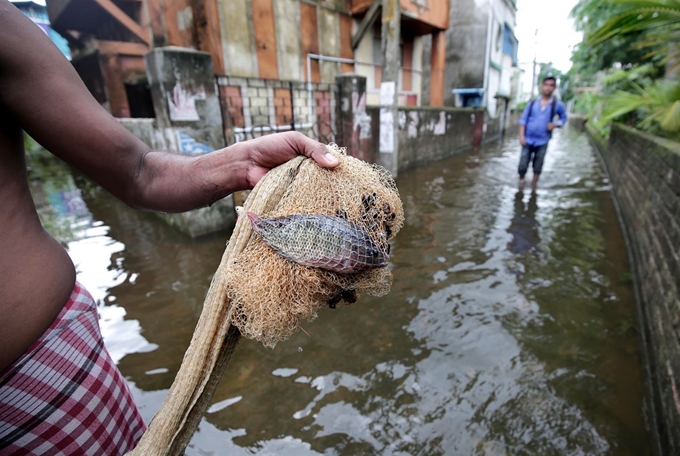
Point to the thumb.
(319, 153)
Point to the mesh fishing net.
(318, 238)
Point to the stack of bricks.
(645, 173)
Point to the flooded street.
(510, 329)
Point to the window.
(510, 44)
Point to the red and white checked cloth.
(65, 395)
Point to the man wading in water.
(60, 391)
(535, 129)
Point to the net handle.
(215, 339)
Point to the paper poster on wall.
(387, 90)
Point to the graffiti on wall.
(189, 146)
(440, 126)
(362, 121)
(182, 103)
(412, 131)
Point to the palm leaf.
(657, 105)
(637, 16)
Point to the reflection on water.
(524, 229)
(507, 331)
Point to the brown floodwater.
(511, 326)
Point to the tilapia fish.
(320, 241)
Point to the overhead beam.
(366, 23)
(122, 48)
(124, 19)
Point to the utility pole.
(534, 82)
(389, 127)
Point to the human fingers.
(312, 149)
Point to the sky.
(556, 35)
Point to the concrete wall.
(218, 217)
(645, 176)
(184, 95)
(188, 120)
(427, 134)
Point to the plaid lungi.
(65, 395)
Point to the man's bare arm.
(40, 88)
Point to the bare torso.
(41, 93)
(36, 274)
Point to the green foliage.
(30, 144)
(623, 79)
(589, 58)
(586, 103)
(655, 25)
(620, 35)
(654, 108)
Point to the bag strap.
(531, 108)
(552, 109)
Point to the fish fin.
(253, 218)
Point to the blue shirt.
(536, 132)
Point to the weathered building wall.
(645, 176)
(466, 42)
(288, 37)
(188, 120)
(427, 134)
(500, 64)
(329, 42)
(475, 56)
(238, 45)
(192, 24)
(270, 39)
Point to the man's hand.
(523, 140)
(271, 151)
(551, 126)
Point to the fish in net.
(323, 243)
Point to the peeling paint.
(185, 18)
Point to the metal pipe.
(292, 105)
(270, 128)
(320, 58)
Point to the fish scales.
(321, 241)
